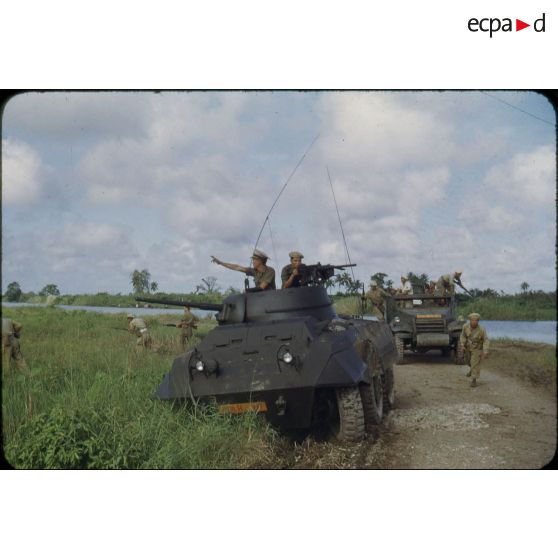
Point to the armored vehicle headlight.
(287, 357)
(200, 366)
(396, 320)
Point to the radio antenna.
(340, 224)
(283, 188)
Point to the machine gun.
(316, 274)
(183, 303)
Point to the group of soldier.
(292, 275)
(473, 339)
(138, 327)
(473, 336)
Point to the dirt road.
(441, 422)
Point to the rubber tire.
(372, 396)
(388, 381)
(400, 346)
(351, 414)
(459, 354)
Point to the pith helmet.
(295, 254)
(130, 316)
(459, 272)
(474, 316)
(373, 283)
(260, 255)
(404, 278)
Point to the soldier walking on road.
(475, 343)
(11, 350)
(188, 324)
(138, 327)
(377, 296)
(264, 276)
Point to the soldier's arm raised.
(232, 266)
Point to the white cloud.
(526, 177)
(22, 173)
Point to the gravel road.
(442, 423)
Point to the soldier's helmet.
(459, 272)
(295, 254)
(130, 317)
(373, 283)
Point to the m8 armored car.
(287, 355)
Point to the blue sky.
(95, 185)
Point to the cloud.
(22, 173)
(528, 177)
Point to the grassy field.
(85, 402)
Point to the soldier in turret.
(138, 327)
(264, 275)
(11, 350)
(293, 274)
(475, 342)
(187, 324)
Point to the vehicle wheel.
(372, 396)
(459, 354)
(400, 346)
(388, 382)
(351, 414)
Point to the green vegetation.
(85, 401)
(525, 306)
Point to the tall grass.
(85, 402)
(517, 307)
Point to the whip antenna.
(340, 224)
(283, 188)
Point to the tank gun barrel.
(188, 303)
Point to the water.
(115, 310)
(537, 332)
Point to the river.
(538, 332)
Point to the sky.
(97, 184)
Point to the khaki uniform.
(445, 285)
(377, 297)
(138, 327)
(475, 342)
(188, 324)
(407, 289)
(299, 280)
(10, 344)
(265, 276)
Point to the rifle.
(459, 283)
(120, 329)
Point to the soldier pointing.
(264, 275)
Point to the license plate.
(237, 408)
(422, 316)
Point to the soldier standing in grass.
(264, 276)
(10, 344)
(475, 343)
(188, 324)
(377, 296)
(138, 327)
